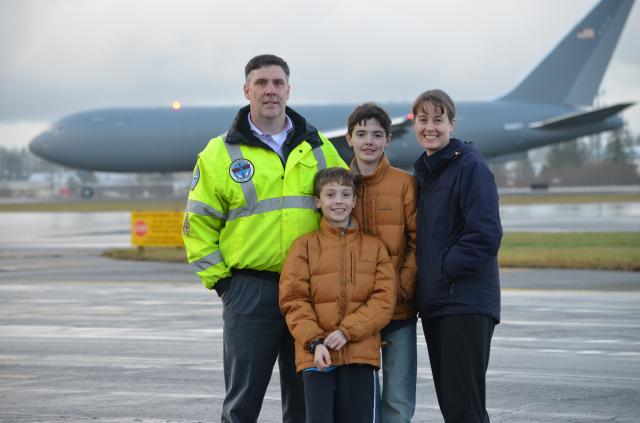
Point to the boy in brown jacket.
(386, 209)
(337, 290)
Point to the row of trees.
(578, 162)
(19, 163)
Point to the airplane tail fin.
(572, 72)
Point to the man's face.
(267, 90)
(433, 128)
(368, 140)
(336, 202)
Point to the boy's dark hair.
(338, 175)
(367, 111)
(265, 60)
(439, 99)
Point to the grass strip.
(573, 250)
(95, 205)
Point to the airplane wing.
(580, 117)
(399, 126)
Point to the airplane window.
(514, 126)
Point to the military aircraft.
(552, 104)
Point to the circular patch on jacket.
(196, 178)
(241, 170)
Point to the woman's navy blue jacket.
(458, 234)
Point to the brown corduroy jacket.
(337, 278)
(386, 208)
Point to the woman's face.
(433, 128)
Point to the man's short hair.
(439, 99)
(339, 175)
(265, 60)
(366, 111)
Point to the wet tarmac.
(591, 217)
(111, 229)
(85, 338)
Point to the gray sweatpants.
(255, 334)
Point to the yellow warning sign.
(156, 228)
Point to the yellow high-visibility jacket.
(245, 206)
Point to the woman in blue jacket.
(458, 237)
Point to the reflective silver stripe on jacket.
(198, 207)
(253, 206)
(273, 204)
(208, 261)
(248, 188)
(319, 155)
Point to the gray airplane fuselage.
(167, 140)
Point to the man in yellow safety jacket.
(251, 196)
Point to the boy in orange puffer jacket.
(386, 209)
(337, 291)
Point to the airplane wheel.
(86, 192)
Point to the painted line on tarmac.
(539, 339)
(559, 292)
(567, 324)
(64, 332)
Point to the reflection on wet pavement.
(111, 229)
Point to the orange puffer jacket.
(337, 278)
(386, 208)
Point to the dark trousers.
(459, 348)
(345, 395)
(255, 335)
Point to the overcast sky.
(63, 56)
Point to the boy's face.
(336, 202)
(433, 128)
(368, 141)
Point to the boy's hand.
(322, 358)
(335, 340)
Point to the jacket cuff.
(222, 285)
(345, 332)
(313, 344)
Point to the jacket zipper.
(364, 206)
(343, 285)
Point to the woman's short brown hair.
(439, 99)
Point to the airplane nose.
(49, 146)
(40, 145)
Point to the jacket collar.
(334, 232)
(377, 174)
(429, 164)
(240, 132)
